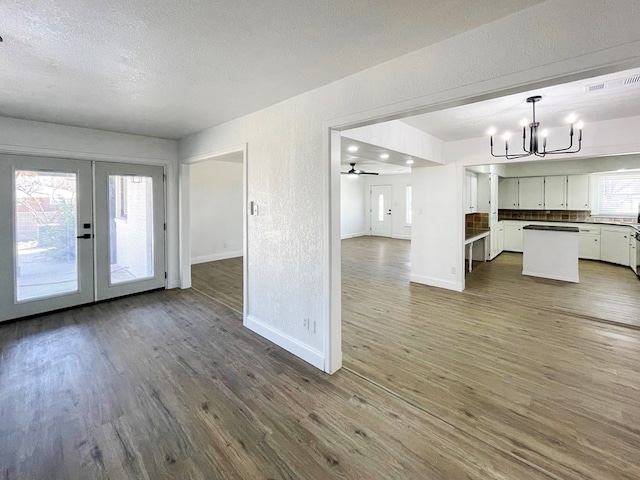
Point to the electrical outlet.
(305, 323)
(453, 270)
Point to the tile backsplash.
(477, 220)
(558, 216)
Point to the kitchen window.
(617, 194)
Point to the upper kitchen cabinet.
(531, 193)
(508, 193)
(578, 192)
(555, 193)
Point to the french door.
(73, 232)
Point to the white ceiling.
(505, 113)
(367, 158)
(165, 68)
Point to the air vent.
(597, 86)
(611, 84)
(632, 80)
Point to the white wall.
(352, 209)
(399, 227)
(60, 141)
(436, 246)
(290, 247)
(216, 214)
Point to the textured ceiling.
(616, 100)
(166, 68)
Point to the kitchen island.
(550, 252)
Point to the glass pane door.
(46, 218)
(46, 213)
(129, 229)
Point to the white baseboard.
(562, 278)
(215, 256)
(436, 282)
(354, 235)
(401, 237)
(290, 344)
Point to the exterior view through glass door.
(129, 229)
(47, 245)
(381, 210)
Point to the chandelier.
(535, 136)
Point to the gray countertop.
(552, 228)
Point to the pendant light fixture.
(538, 138)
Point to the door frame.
(185, 214)
(61, 163)
(598, 63)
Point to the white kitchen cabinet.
(589, 243)
(470, 192)
(614, 245)
(493, 199)
(531, 193)
(508, 193)
(632, 252)
(513, 236)
(496, 240)
(578, 192)
(555, 192)
(484, 192)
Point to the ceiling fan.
(353, 171)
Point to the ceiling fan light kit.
(535, 135)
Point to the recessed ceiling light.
(353, 148)
(384, 156)
(409, 162)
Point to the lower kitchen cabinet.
(496, 240)
(614, 245)
(513, 236)
(589, 246)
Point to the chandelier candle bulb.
(534, 142)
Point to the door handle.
(86, 236)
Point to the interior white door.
(381, 216)
(46, 245)
(130, 229)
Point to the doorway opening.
(214, 227)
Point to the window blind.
(618, 194)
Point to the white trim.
(354, 235)
(78, 155)
(217, 153)
(401, 237)
(290, 344)
(552, 277)
(185, 210)
(214, 257)
(436, 282)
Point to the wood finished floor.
(222, 280)
(508, 380)
(530, 366)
